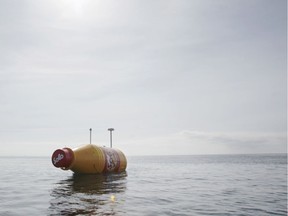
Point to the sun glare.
(97, 10)
(73, 8)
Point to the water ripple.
(171, 185)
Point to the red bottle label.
(112, 160)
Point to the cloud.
(242, 142)
(149, 68)
(196, 142)
(40, 142)
(234, 138)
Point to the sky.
(173, 77)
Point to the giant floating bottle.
(90, 159)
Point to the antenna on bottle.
(90, 134)
(110, 129)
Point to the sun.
(73, 8)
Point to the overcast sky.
(171, 76)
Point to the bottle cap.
(62, 158)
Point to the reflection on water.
(88, 195)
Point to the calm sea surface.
(164, 185)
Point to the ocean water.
(152, 185)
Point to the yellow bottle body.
(91, 159)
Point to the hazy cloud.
(148, 68)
